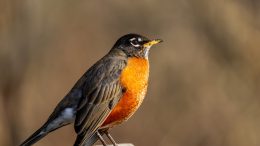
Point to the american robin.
(106, 95)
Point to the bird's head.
(134, 45)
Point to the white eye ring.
(139, 39)
(134, 43)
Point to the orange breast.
(134, 78)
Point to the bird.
(107, 94)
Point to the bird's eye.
(134, 42)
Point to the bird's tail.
(36, 136)
(54, 122)
(43, 131)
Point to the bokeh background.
(205, 78)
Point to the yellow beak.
(152, 42)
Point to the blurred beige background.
(205, 78)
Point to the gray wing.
(101, 92)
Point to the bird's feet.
(108, 136)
